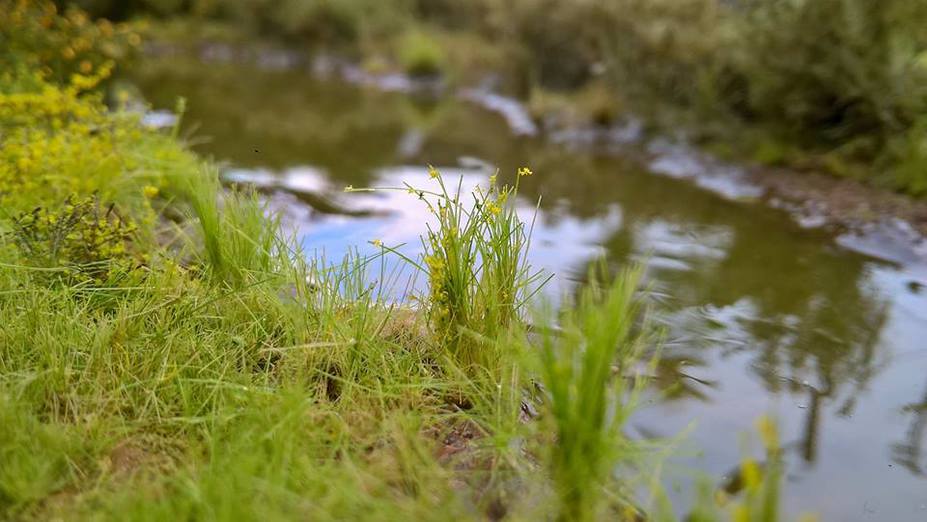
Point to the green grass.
(583, 368)
(196, 365)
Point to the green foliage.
(583, 368)
(239, 241)
(34, 455)
(420, 55)
(560, 58)
(844, 78)
(237, 380)
(905, 160)
(36, 37)
(664, 52)
(832, 71)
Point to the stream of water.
(764, 316)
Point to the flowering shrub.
(88, 241)
(35, 36)
(60, 143)
(57, 141)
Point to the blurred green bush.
(841, 78)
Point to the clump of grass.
(583, 369)
(35, 455)
(241, 241)
(475, 259)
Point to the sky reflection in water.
(762, 315)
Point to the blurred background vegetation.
(825, 85)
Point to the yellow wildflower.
(525, 171)
(433, 172)
(751, 473)
(150, 191)
(377, 243)
(767, 429)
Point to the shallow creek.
(764, 315)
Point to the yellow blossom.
(377, 243)
(751, 473)
(433, 172)
(150, 191)
(525, 171)
(767, 429)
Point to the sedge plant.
(474, 256)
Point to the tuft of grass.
(240, 240)
(478, 275)
(583, 368)
(479, 279)
(35, 455)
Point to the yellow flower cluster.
(437, 280)
(57, 141)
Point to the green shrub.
(421, 55)
(833, 71)
(35, 37)
(905, 160)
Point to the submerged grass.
(199, 366)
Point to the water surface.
(764, 316)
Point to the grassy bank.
(167, 353)
(833, 86)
